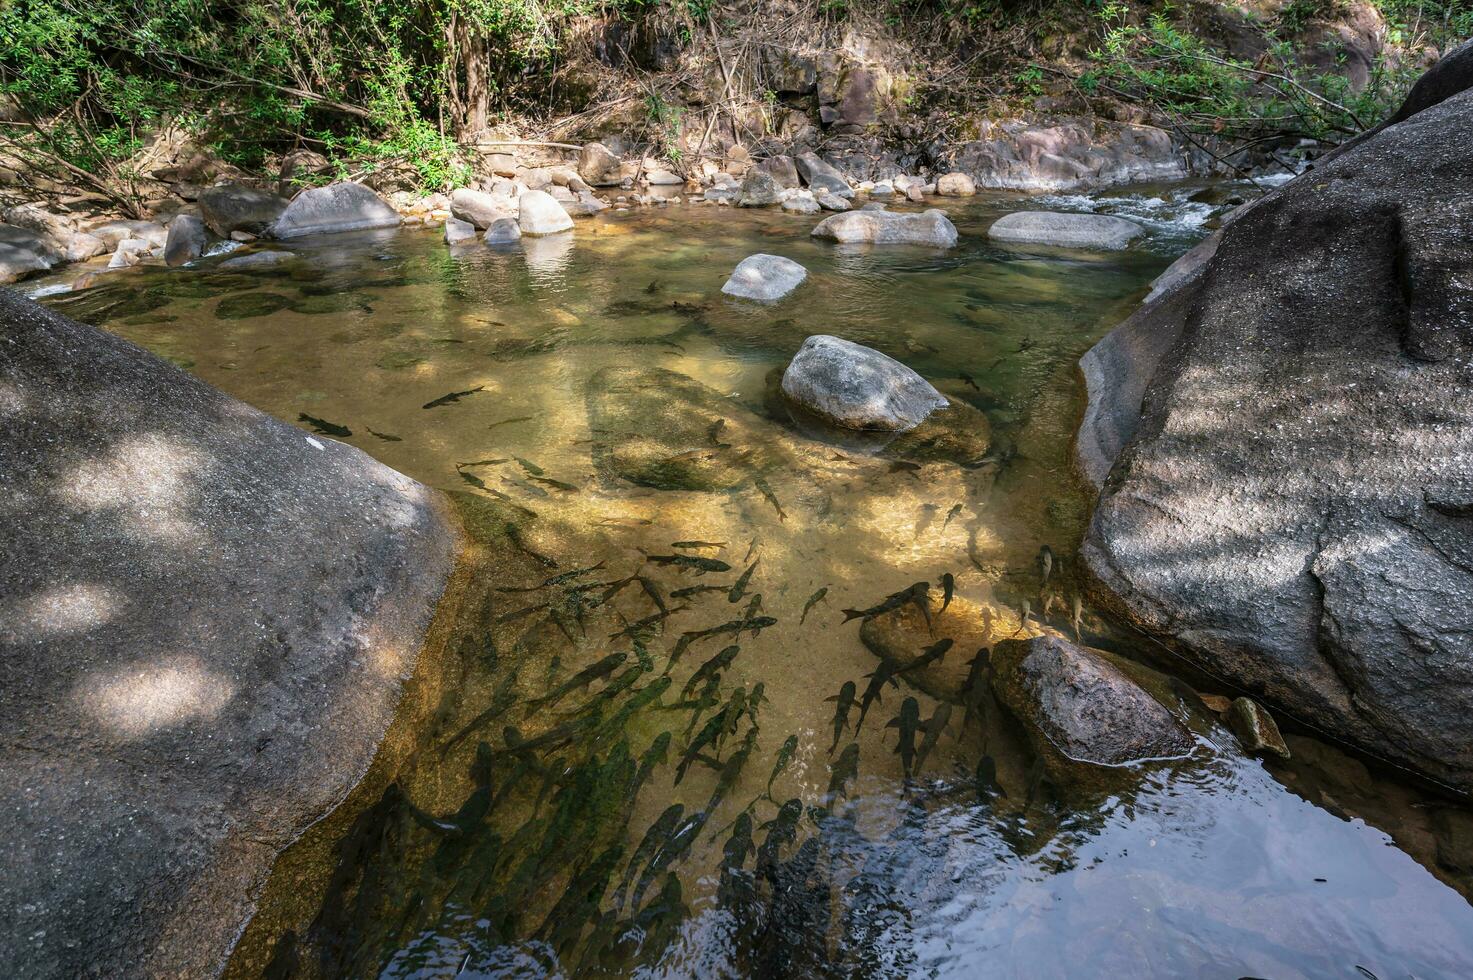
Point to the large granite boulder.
(822, 176)
(931, 227)
(1290, 504)
(340, 207)
(764, 277)
(24, 252)
(186, 241)
(1019, 154)
(1065, 230)
(760, 189)
(480, 208)
(539, 213)
(598, 166)
(236, 207)
(207, 617)
(854, 387)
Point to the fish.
(905, 466)
(653, 591)
(714, 434)
(918, 593)
(1076, 613)
(735, 626)
(653, 287)
(477, 482)
(526, 487)
(635, 628)
(933, 728)
(750, 548)
(613, 688)
(784, 757)
(845, 701)
(753, 607)
(731, 770)
(974, 690)
(782, 830)
(843, 771)
(385, 436)
(635, 521)
(580, 901)
(671, 849)
(1045, 564)
(948, 589)
(930, 655)
(950, 515)
(482, 462)
(325, 428)
(707, 736)
(813, 600)
(532, 468)
(696, 590)
(554, 580)
(883, 674)
(642, 698)
(656, 755)
(559, 735)
(739, 589)
(968, 379)
(697, 545)
(556, 484)
(502, 698)
(584, 677)
(699, 564)
(453, 396)
(655, 835)
(928, 515)
(908, 722)
(525, 611)
(715, 665)
(987, 784)
(766, 489)
(704, 701)
(515, 535)
(1024, 611)
(519, 418)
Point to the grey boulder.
(23, 252)
(821, 176)
(256, 261)
(539, 213)
(764, 277)
(479, 208)
(236, 207)
(782, 169)
(1290, 496)
(855, 387)
(207, 617)
(931, 227)
(759, 190)
(457, 231)
(503, 231)
(345, 206)
(186, 241)
(1065, 230)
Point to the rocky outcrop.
(598, 166)
(186, 241)
(822, 176)
(1065, 230)
(1017, 154)
(206, 619)
(539, 213)
(782, 169)
(764, 277)
(854, 387)
(1291, 507)
(889, 228)
(759, 190)
(334, 209)
(236, 207)
(24, 252)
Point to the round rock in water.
(186, 241)
(889, 228)
(853, 387)
(1098, 231)
(457, 231)
(335, 208)
(764, 277)
(503, 231)
(956, 184)
(479, 208)
(539, 213)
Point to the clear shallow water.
(478, 858)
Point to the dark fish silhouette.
(697, 545)
(739, 589)
(950, 515)
(813, 600)
(766, 489)
(698, 563)
(928, 656)
(784, 758)
(325, 428)
(948, 589)
(883, 674)
(1045, 564)
(453, 396)
(974, 691)
(928, 514)
(918, 593)
(556, 484)
(385, 436)
(845, 699)
(715, 665)
(519, 418)
(532, 468)
(843, 771)
(933, 727)
(909, 722)
(969, 380)
(696, 590)
(584, 677)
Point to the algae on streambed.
(616, 456)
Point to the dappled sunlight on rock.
(62, 609)
(149, 482)
(134, 702)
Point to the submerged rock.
(661, 429)
(764, 277)
(340, 207)
(206, 621)
(186, 241)
(256, 261)
(1080, 706)
(235, 207)
(539, 213)
(880, 227)
(1290, 502)
(1064, 230)
(900, 638)
(855, 387)
(1255, 728)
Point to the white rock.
(1065, 230)
(541, 214)
(764, 277)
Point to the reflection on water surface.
(638, 753)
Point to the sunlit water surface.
(482, 858)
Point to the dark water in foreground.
(522, 833)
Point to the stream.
(635, 760)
